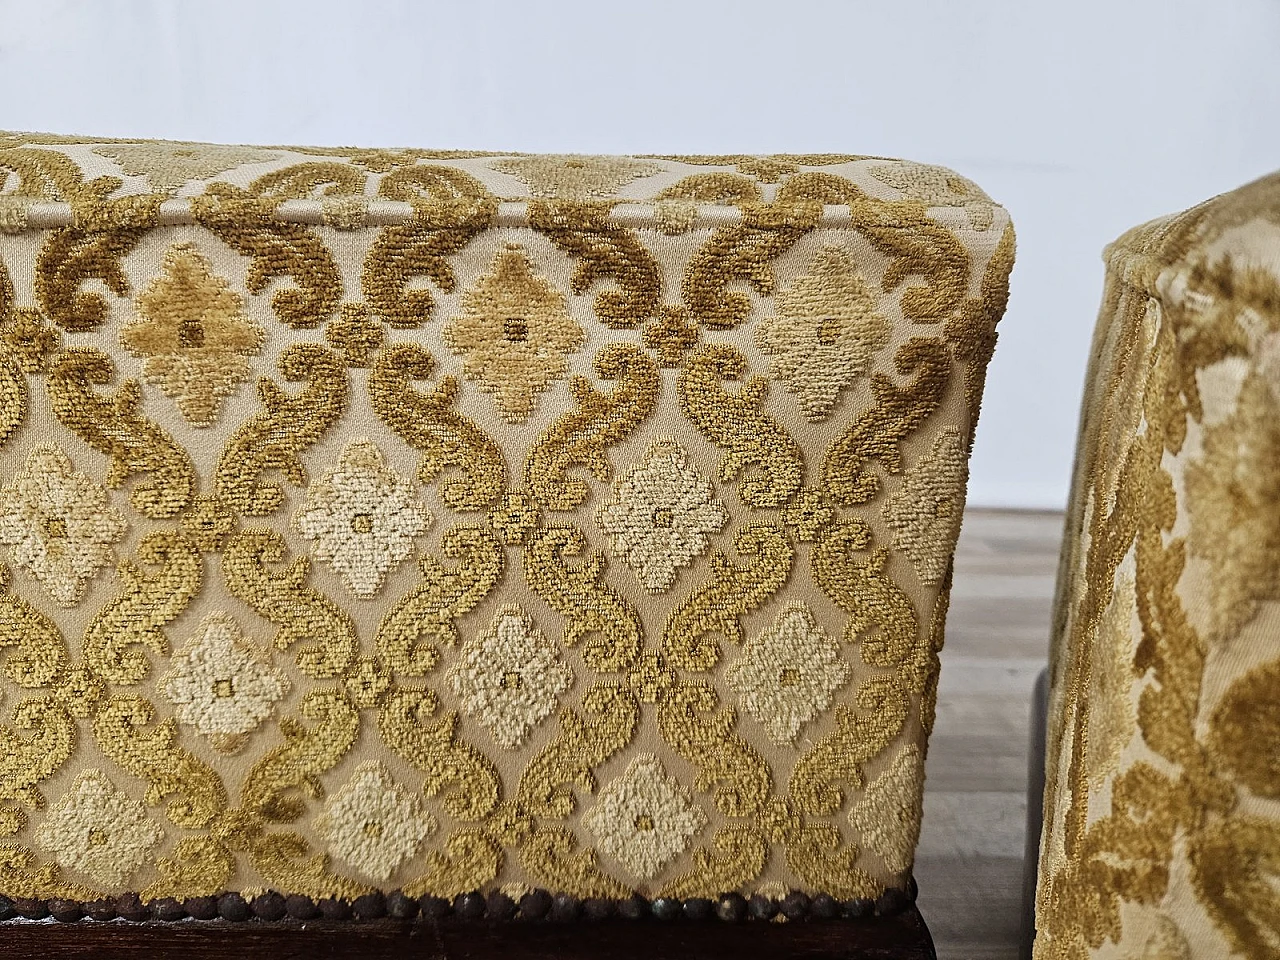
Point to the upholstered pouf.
(398, 533)
(1162, 811)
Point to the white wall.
(1082, 116)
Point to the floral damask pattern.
(825, 334)
(373, 823)
(221, 685)
(1162, 837)
(362, 518)
(510, 677)
(938, 186)
(59, 524)
(1114, 722)
(97, 830)
(925, 512)
(644, 818)
(192, 336)
(661, 516)
(514, 335)
(576, 177)
(888, 815)
(169, 166)
(788, 674)
(457, 526)
(1238, 475)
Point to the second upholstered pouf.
(1162, 810)
(490, 532)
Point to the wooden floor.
(969, 864)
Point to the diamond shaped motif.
(788, 674)
(662, 515)
(644, 818)
(510, 677)
(373, 823)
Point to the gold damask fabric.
(396, 519)
(1162, 810)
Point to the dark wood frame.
(902, 936)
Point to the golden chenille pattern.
(397, 519)
(1162, 810)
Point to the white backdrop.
(1082, 117)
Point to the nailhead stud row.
(497, 906)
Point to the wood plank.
(970, 861)
(973, 905)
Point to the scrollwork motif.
(39, 651)
(278, 248)
(288, 424)
(26, 762)
(436, 749)
(196, 791)
(429, 422)
(115, 426)
(736, 423)
(590, 607)
(873, 600)
(305, 755)
(879, 433)
(146, 602)
(605, 725)
(641, 670)
(730, 591)
(450, 208)
(583, 437)
(725, 761)
(604, 250)
(300, 612)
(426, 614)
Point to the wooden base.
(900, 937)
